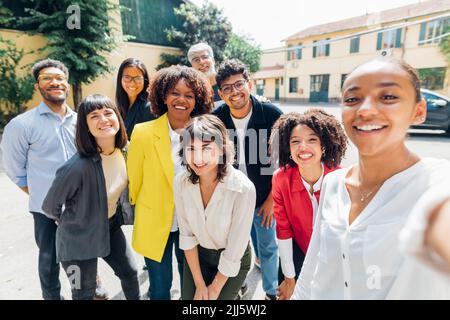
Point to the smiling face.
(305, 147)
(379, 105)
(203, 62)
(180, 102)
(203, 157)
(103, 123)
(237, 100)
(132, 82)
(53, 85)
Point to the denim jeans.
(120, 259)
(44, 234)
(160, 273)
(266, 249)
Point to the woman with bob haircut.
(89, 186)
(215, 204)
(309, 145)
(131, 93)
(176, 94)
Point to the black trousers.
(299, 258)
(44, 234)
(82, 274)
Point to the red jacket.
(292, 206)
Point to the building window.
(432, 30)
(432, 78)
(389, 39)
(294, 54)
(293, 85)
(354, 45)
(322, 49)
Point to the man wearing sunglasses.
(35, 144)
(249, 122)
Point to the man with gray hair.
(201, 57)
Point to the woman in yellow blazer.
(176, 94)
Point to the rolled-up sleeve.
(239, 235)
(187, 238)
(15, 148)
(283, 226)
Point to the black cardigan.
(83, 226)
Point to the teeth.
(105, 128)
(369, 127)
(200, 166)
(305, 156)
(180, 108)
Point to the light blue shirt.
(34, 145)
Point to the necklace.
(368, 194)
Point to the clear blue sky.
(270, 21)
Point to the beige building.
(148, 43)
(317, 59)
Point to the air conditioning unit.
(386, 52)
(294, 64)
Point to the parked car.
(438, 111)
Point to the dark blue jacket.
(259, 167)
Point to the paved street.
(18, 251)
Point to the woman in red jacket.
(308, 146)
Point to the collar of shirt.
(230, 181)
(317, 185)
(43, 108)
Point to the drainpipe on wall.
(403, 43)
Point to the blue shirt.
(35, 144)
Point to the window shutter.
(398, 38)
(327, 49)
(379, 40)
(314, 50)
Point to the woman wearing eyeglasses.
(131, 93)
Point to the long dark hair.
(122, 101)
(85, 141)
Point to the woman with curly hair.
(176, 94)
(308, 146)
(215, 204)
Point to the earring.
(290, 157)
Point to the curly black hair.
(230, 68)
(165, 79)
(48, 63)
(326, 126)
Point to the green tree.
(199, 24)
(5, 15)
(16, 87)
(444, 44)
(79, 33)
(244, 48)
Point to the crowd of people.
(204, 169)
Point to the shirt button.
(343, 256)
(346, 284)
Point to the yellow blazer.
(151, 173)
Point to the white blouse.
(363, 260)
(224, 224)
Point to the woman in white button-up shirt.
(215, 204)
(354, 250)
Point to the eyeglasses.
(228, 88)
(199, 58)
(137, 79)
(48, 77)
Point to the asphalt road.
(18, 251)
